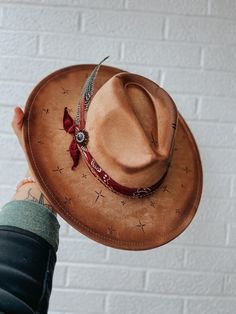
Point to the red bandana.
(69, 127)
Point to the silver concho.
(142, 192)
(82, 137)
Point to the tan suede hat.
(113, 155)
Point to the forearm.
(30, 210)
(31, 192)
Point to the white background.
(189, 48)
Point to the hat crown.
(131, 123)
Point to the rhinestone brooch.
(82, 137)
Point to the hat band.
(111, 184)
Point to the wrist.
(24, 181)
(28, 190)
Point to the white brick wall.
(187, 46)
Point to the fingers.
(17, 120)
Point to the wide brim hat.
(133, 135)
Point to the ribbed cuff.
(31, 216)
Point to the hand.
(29, 191)
(17, 125)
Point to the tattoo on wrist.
(41, 200)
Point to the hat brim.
(82, 200)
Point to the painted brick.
(220, 58)
(214, 134)
(18, 44)
(153, 73)
(105, 278)
(164, 257)
(123, 24)
(184, 283)
(27, 69)
(12, 93)
(226, 8)
(201, 29)
(63, 226)
(84, 48)
(76, 301)
(11, 173)
(216, 185)
(216, 210)
(232, 235)
(186, 105)
(6, 193)
(6, 114)
(211, 259)
(170, 6)
(219, 160)
(22, 1)
(1, 16)
(59, 276)
(140, 304)
(202, 233)
(40, 19)
(10, 147)
(200, 83)
(211, 305)
(230, 284)
(108, 4)
(233, 88)
(234, 187)
(72, 250)
(217, 109)
(164, 54)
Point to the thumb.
(17, 120)
(17, 123)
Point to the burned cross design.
(187, 170)
(46, 110)
(110, 230)
(153, 204)
(58, 169)
(178, 211)
(140, 225)
(99, 194)
(164, 188)
(67, 200)
(65, 91)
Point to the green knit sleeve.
(31, 216)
